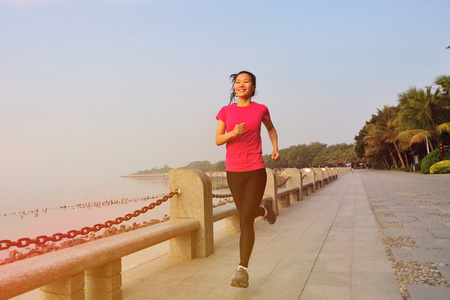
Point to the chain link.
(42, 239)
(221, 195)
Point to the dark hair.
(233, 82)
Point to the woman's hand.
(222, 137)
(275, 155)
(238, 129)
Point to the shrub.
(432, 158)
(440, 167)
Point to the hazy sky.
(102, 86)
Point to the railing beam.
(295, 180)
(309, 177)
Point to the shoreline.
(156, 176)
(211, 174)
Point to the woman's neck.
(244, 102)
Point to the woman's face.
(244, 87)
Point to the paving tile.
(325, 292)
(425, 292)
(433, 243)
(334, 263)
(422, 255)
(445, 271)
(426, 225)
(374, 285)
(407, 232)
(177, 292)
(397, 219)
(429, 218)
(224, 291)
(368, 266)
(282, 284)
(442, 233)
(375, 273)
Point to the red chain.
(42, 239)
(221, 195)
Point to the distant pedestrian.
(239, 126)
(352, 167)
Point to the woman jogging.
(239, 126)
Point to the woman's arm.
(273, 138)
(222, 137)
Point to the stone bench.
(224, 211)
(286, 195)
(230, 213)
(327, 175)
(309, 178)
(307, 188)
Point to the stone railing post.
(104, 282)
(195, 202)
(271, 189)
(232, 224)
(71, 288)
(309, 177)
(334, 172)
(325, 176)
(319, 176)
(295, 180)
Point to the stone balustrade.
(93, 270)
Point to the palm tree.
(444, 82)
(337, 157)
(386, 130)
(424, 115)
(376, 152)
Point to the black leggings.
(247, 189)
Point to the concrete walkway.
(413, 216)
(325, 247)
(368, 235)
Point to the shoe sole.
(272, 214)
(235, 284)
(274, 217)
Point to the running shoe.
(271, 217)
(241, 279)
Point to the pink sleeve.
(222, 115)
(266, 114)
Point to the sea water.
(49, 209)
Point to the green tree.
(200, 165)
(360, 145)
(444, 82)
(332, 155)
(219, 166)
(424, 115)
(386, 130)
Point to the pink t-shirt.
(244, 152)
